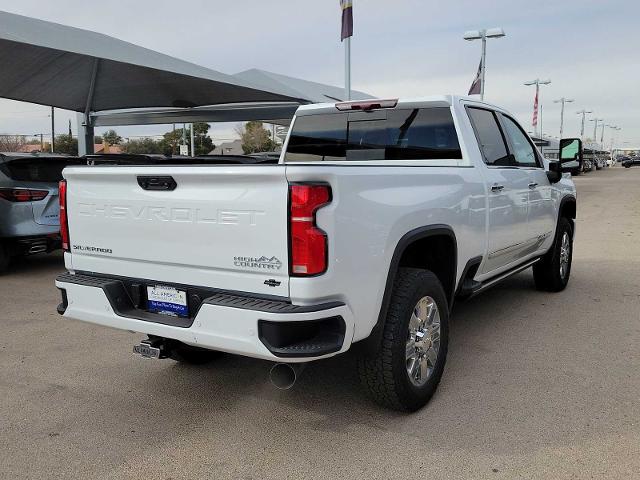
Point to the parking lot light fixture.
(496, 32)
(537, 104)
(583, 112)
(595, 128)
(562, 101)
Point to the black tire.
(4, 258)
(384, 373)
(183, 353)
(546, 273)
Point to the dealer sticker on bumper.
(167, 300)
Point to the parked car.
(378, 216)
(631, 162)
(29, 203)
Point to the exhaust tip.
(283, 375)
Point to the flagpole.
(538, 107)
(484, 55)
(347, 68)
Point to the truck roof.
(403, 102)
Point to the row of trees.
(255, 138)
(170, 142)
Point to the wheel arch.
(442, 260)
(567, 209)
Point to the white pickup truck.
(375, 218)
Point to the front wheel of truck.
(404, 372)
(552, 272)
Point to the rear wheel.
(552, 272)
(404, 372)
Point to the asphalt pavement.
(537, 385)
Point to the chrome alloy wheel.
(423, 341)
(565, 251)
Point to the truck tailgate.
(221, 226)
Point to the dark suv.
(29, 207)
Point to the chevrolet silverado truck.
(377, 216)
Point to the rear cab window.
(385, 134)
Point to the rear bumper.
(254, 327)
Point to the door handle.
(533, 185)
(497, 188)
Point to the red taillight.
(19, 195)
(64, 225)
(308, 242)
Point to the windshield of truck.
(398, 134)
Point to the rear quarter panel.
(372, 208)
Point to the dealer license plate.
(167, 301)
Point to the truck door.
(508, 193)
(542, 216)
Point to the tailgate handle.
(157, 183)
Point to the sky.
(402, 48)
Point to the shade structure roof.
(52, 64)
(274, 112)
(312, 92)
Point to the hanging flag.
(347, 19)
(476, 86)
(535, 111)
(70, 135)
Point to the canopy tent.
(112, 82)
(312, 92)
(75, 69)
(275, 112)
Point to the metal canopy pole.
(85, 129)
(53, 130)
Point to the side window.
(490, 137)
(523, 151)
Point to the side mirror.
(554, 174)
(570, 155)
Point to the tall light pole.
(193, 142)
(562, 101)
(595, 128)
(537, 82)
(496, 32)
(613, 136)
(602, 133)
(583, 112)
